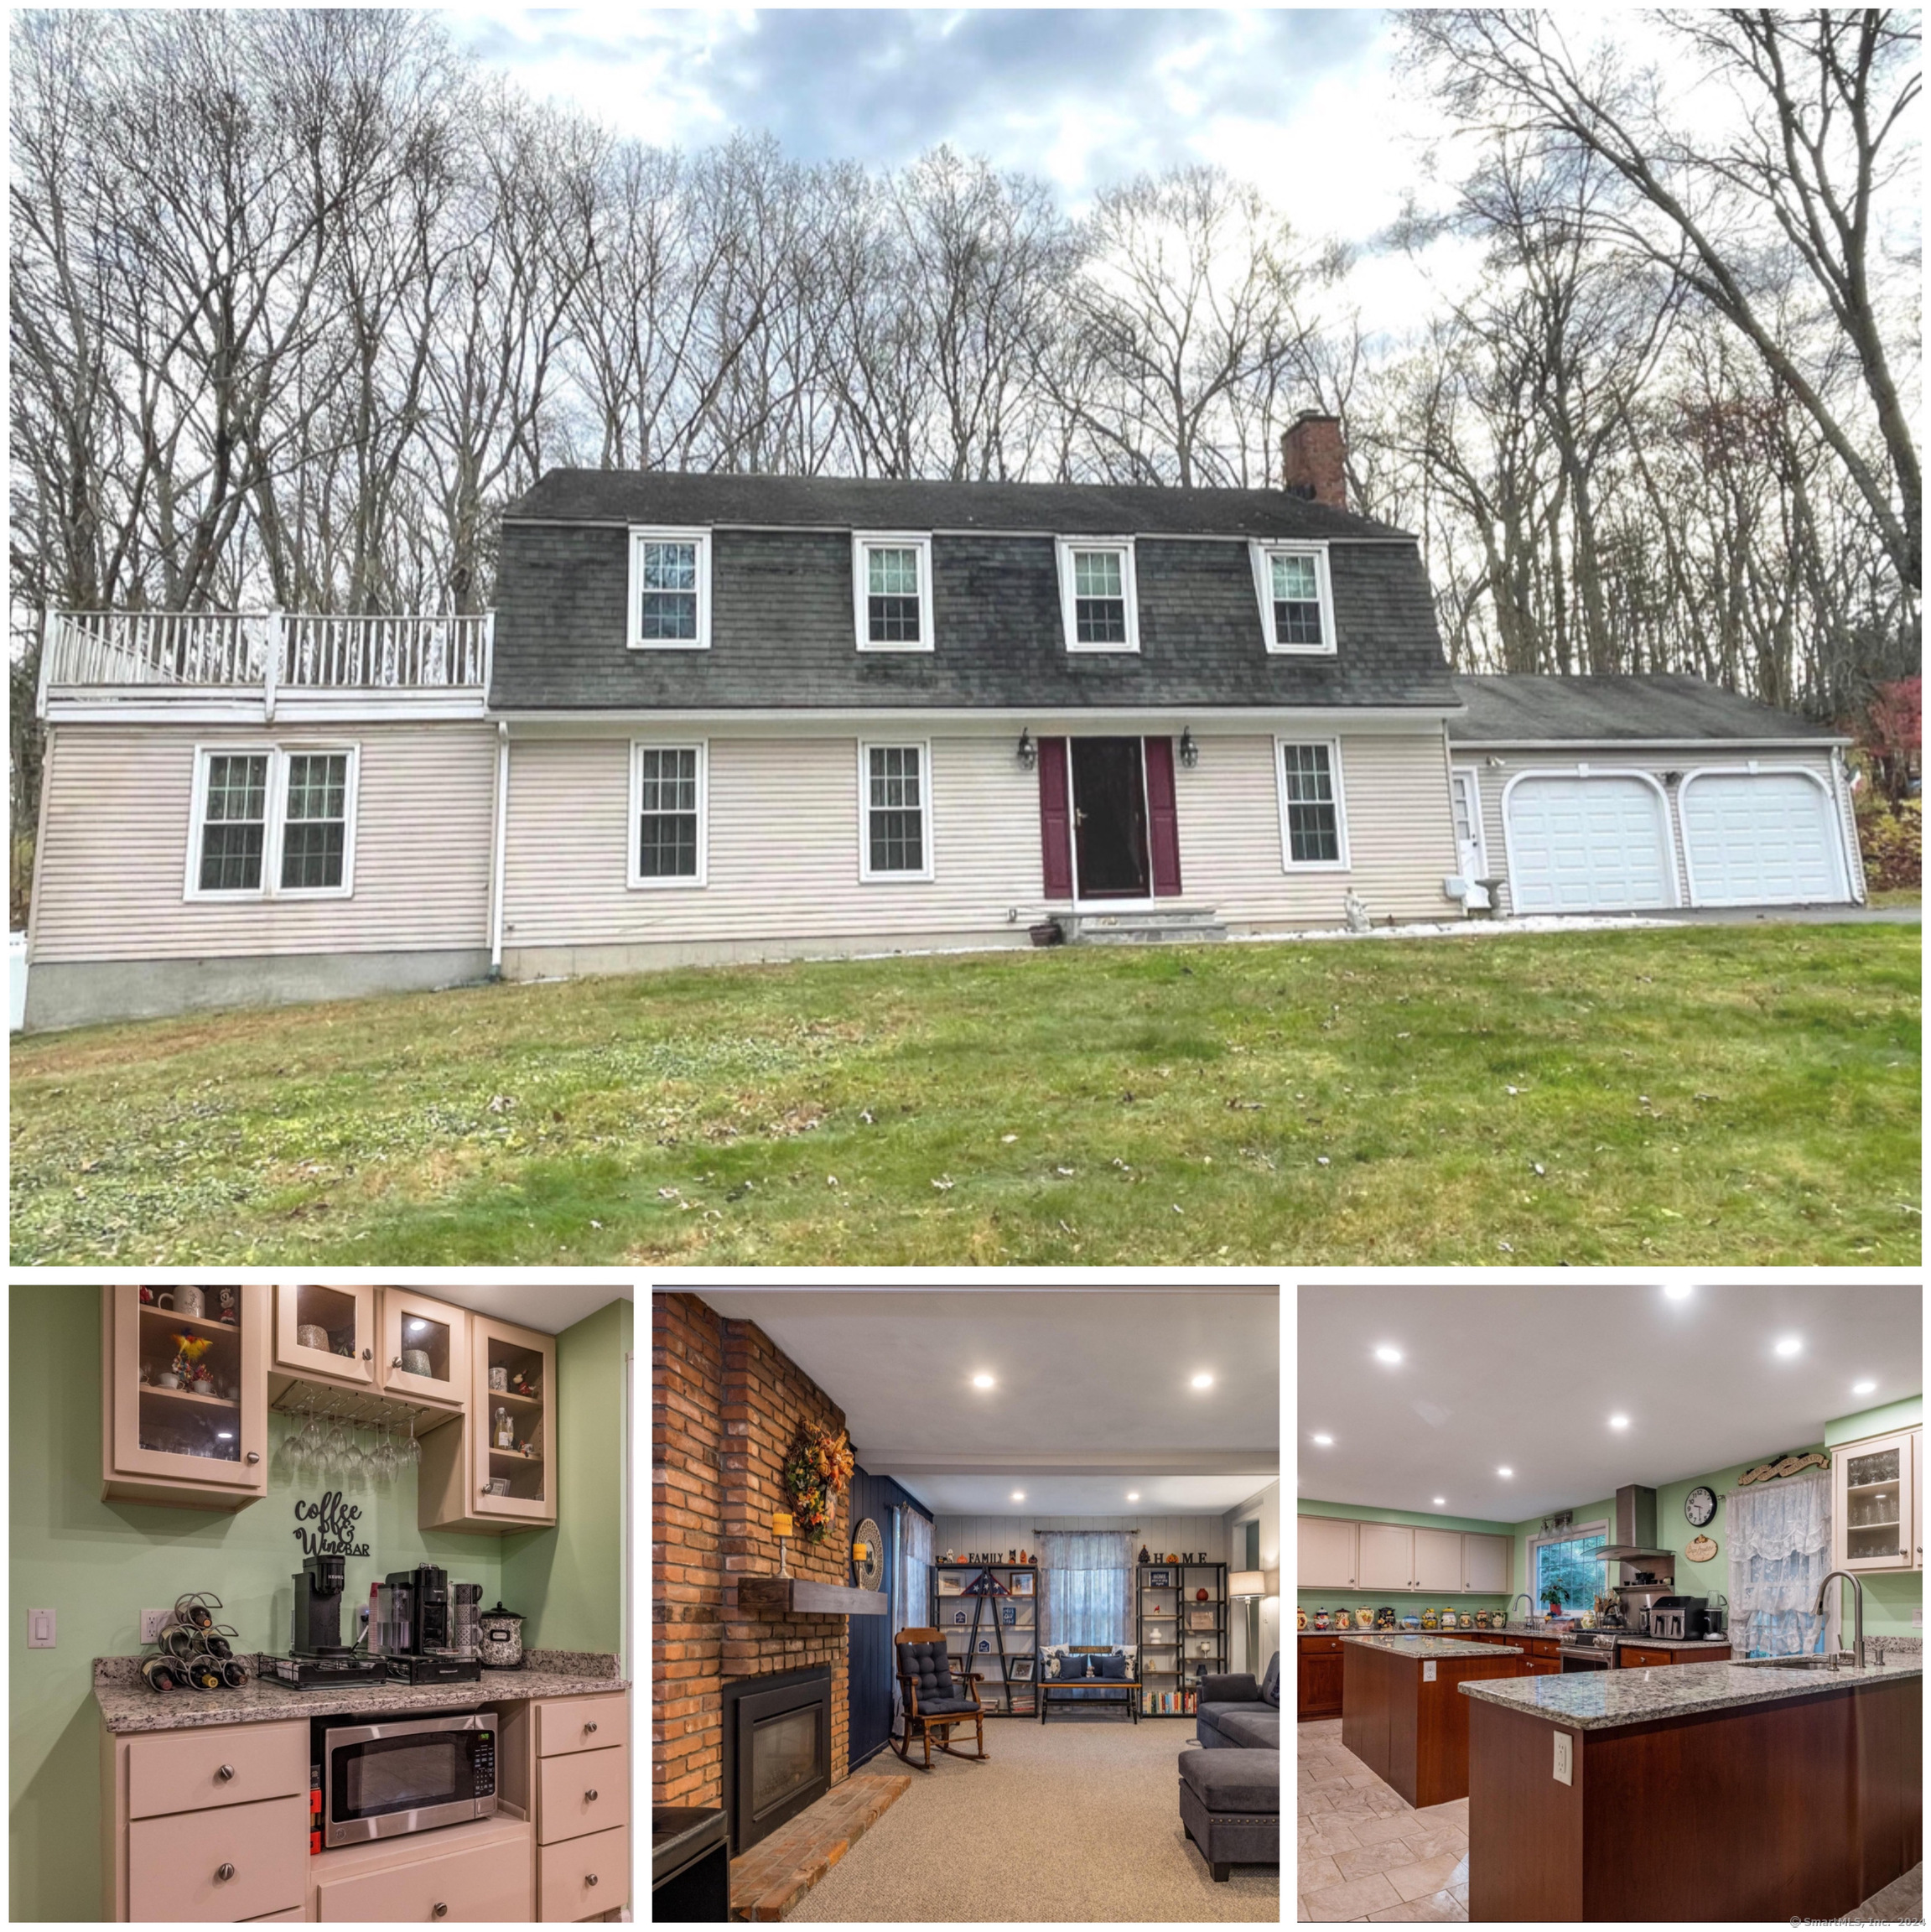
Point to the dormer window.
(669, 590)
(1296, 608)
(892, 591)
(1097, 601)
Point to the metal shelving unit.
(1173, 1658)
(1005, 1643)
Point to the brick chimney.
(1313, 459)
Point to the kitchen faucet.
(1856, 1583)
(1522, 1597)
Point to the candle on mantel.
(780, 1522)
(860, 1551)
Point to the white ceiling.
(548, 1311)
(1526, 1377)
(1090, 1394)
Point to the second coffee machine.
(413, 1623)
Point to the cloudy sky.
(1307, 103)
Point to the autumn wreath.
(818, 1466)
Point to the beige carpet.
(1078, 1818)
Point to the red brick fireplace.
(724, 1404)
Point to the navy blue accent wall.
(870, 1694)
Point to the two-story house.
(721, 718)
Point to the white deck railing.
(209, 650)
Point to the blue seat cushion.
(939, 1706)
(930, 1670)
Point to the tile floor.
(1366, 1853)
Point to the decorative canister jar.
(1321, 1619)
(501, 1634)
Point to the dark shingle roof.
(781, 619)
(1661, 707)
(846, 503)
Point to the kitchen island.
(1703, 1791)
(1401, 1712)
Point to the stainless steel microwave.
(407, 1774)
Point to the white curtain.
(1086, 1573)
(1779, 1552)
(911, 1586)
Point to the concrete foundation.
(569, 962)
(81, 993)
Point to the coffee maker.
(318, 1657)
(412, 1625)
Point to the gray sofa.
(1230, 1790)
(1236, 1713)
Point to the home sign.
(332, 1531)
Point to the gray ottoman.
(1230, 1804)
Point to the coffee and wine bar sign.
(327, 1528)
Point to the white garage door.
(1760, 839)
(1597, 842)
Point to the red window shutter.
(1163, 818)
(1055, 819)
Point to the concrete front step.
(1191, 925)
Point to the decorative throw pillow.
(1113, 1667)
(1071, 1667)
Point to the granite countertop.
(127, 1705)
(1430, 1646)
(1603, 1699)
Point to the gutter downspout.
(497, 849)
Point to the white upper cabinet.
(1387, 1556)
(1874, 1506)
(1484, 1564)
(1326, 1554)
(1438, 1560)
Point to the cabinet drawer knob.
(367, 1354)
(590, 1797)
(441, 1910)
(591, 1725)
(225, 1772)
(589, 1877)
(224, 1871)
(253, 1456)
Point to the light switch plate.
(153, 1622)
(1918, 1616)
(1428, 1673)
(41, 1630)
(1564, 1759)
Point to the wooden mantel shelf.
(802, 1598)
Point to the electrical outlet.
(153, 1622)
(1917, 1616)
(1428, 1673)
(41, 1630)
(1564, 1757)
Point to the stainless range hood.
(1635, 1538)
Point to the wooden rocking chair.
(932, 1698)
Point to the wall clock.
(1700, 1505)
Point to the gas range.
(1590, 1649)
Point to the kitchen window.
(670, 589)
(1296, 608)
(668, 808)
(1313, 817)
(269, 822)
(892, 591)
(1099, 606)
(1568, 1564)
(895, 830)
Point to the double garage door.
(1601, 841)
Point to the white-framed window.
(1313, 810)
(1296, 602)
(670, 814)
(1099, 604)
(1565, 1561)
(670, 589)
(892, 590)
(895, 811)
(272, 822)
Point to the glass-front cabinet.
(498, 1470)
(424, 1355)
(185, 1407)
(326, 1335)
(1874, 1515)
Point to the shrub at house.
(1892, 839)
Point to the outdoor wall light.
(1028, 751)
(1189, 751)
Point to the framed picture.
(1008, 1613)
(1200, 1620)
(1019, 1669)
(1159, 1579)
(950, 1585)
(958, 1616)
(1022, 1582)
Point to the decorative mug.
(311, 1335)
(500, 1381)
(190, 1301)
(167, 1379)
(415, 1362)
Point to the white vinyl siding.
(117, 843)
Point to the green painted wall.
(1404, 1603)
(97, 1565)
(568, 1581)
(1880, 1421)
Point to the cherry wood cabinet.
(1654, 1656)
(1319, 1687)
(183, 1398)
(1405, 1716)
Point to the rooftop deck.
(96, 660)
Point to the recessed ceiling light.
(1862, 1388)
(1019, 1495)
(1440, 1501)
(1504, 1472)
(1204, 1381)
(1133, 1495)
(1324, 1441)
(1790, 1345)
(981, 1381)
(1678, 1291)
(1384, 1354)
(1619, 1421)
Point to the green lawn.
(1707, 1094)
